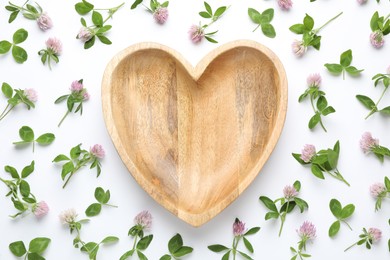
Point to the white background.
(350, 31)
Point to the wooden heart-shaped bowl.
(195, 138)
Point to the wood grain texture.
(195, 138)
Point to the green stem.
(317, 30)
(63, 118)
(135, 242)
(5, 109)
(33, 142)
(21, 8)
(315, 111)
(350, 247)
(256, 27)
(335, 175)
(347, 224)
(283, 218)
(74, 171)
(110, 205)
(112, 11)
(9, 110)
(375, 109)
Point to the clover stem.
(256, 27)
(112, 11)
(315, 111)
(350, 247)
(347, 224)
(235, 243)
(5, 109)
(283, 218)
(135, 242)
(75, 170)
(335, 175)
(4, 114)
(63, 118)
(317, 30)
(375, 109)
(110, 205)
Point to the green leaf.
(226, 256)
(328, 110)
(335, 208)
(11, 170)
(24, 188)
(66, 169)
(26, 134)
(347, 211)
(110, 239)
(165, 4)
(34, 256)
(83, 8)
(268, 203)
(205, 14)
(144, 242)
(317, 171)
(185, 250)
(301, 204)
(38, 245)
(135, 4)
(93, 210)
(7, 90)
(20, 55)
(97, 19)
(268, 30)
(322, 103)
(314, 120)
(387, 184)
(88, 44)
(28, 170)
(297, 185)
(5, 46)
(75, 152)
(334, 68)
(210, 39)
(141, 256)
(308, 22)
(220, 11)
(252, 231)
(100, 195)
(60, 158)
(366, 101)
(346, 58)
(103, 39)
(13, 16)
(334, 228)
(353, 71)
(270, 215)
(333, 158)
(92, 248)
(47, 138)
(245, 255)
(32, 9)
(374, 21)
(126, 255)
(267, 16)
(17, 248)
(18, 205)
(20, 36)
(297, 28)
(217, 248)
(297, 157)
(254, 15)
(208, 8)
(291, 205)
(165, 257)
(175, 243)
(104, 29)
(248, 245)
